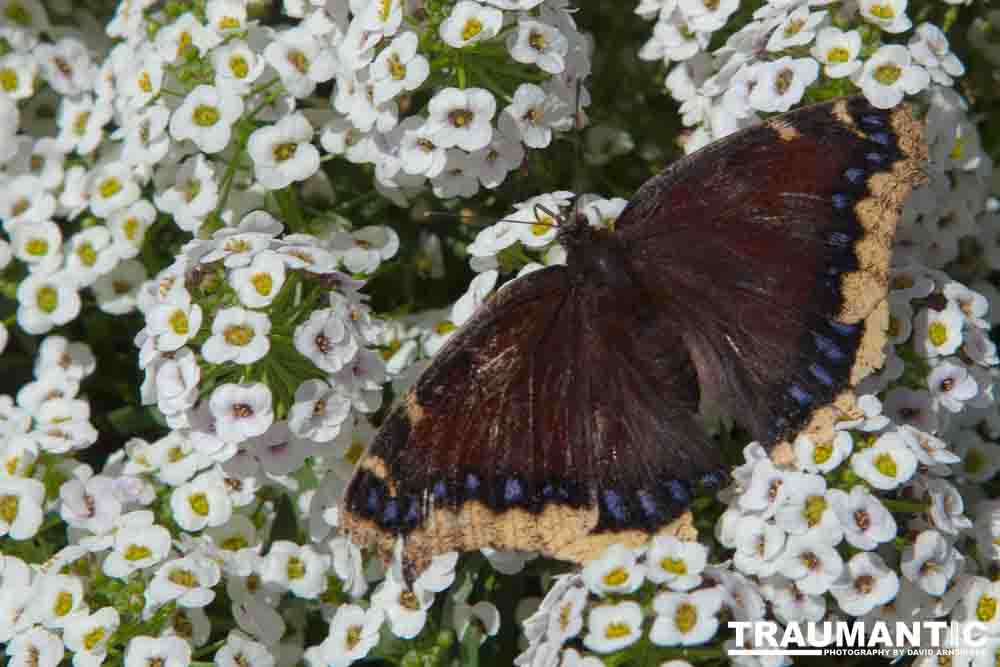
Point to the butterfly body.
(562, 417)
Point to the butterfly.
(562, 417)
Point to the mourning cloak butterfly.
(561, 418)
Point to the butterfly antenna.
(479, 220)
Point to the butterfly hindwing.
(560, 419)
(772, 248)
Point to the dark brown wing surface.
(560, 419)
(770, 250)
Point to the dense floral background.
(234, 230)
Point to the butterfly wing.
(559, 420)
(770, 249)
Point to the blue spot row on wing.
(619, 508)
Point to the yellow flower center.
(37, 247)
(888, 73)
(616, 577)
(145, 83)
(63, 604)
(228, 23)
(883, 11)
(472, 27)
(87, 254)
(986, 608)
(674, 565)
(822, 453)
(183, 578)
(444, 327)
(93, 638)
(205, 115)
(262, 283)
(886, 465)
(234, 543)
(199, 503)
(179, 322)
(284, 151)
(784, 80)
(239, 66)
(80, 123)
(137, 552)
(47, 299)
(937, 332)
(814, 508)
(956, 149)
(537, 41)
(460, 117)
(617, 630)
(8, 79)
(18, 13)
(794, 27)
(354, 452)
(131, 228)
(295, 569)
(838, 54)
(686, 617)
(109, 187)
(8, 508)
(396, 68)
(238, 335)
(353, 636)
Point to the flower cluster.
(219, 263)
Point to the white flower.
(188, 581)
(706, 17)
(17, 75)
(759, 546)
(39, 245)
(686, 619)
(981, 603)
(405, 609)
(888, 74)
(930, 562)
(367, 248)
(226, 16)
(236, 66)
(206, 117)
(282, 153)
(808, 510)
(142, 80)
(88, 634)
(89, 255)
(353, 633)
(241, 411)
(170, 651)
(21, 502)
(35, 648)
(798, 29)
(565, 619)
(951, 386)
(865, 520)
(616, 571)
(398, 67)
(675, 563)
(193, 196)
(980, 460)
(613, 627)
(461, 118)
(146, 138)
(868, 583)
(886, 464)
(174, 39)
(912, 407)
(81, 123)
(24, 199)
(811, 562)
(767, 489)
(539, 44)
(929, 46)
(673, 40)
(58, 597)
(782, 83)
(117, 292)
(319, 411)
(534, 114)
(67, 66)
(823, 457)
(838, 51)
(202, 502)
(301, 60)
(790, 603)
(299, 569)
(138, 544)
(470, 22)
(90, 504)
(238, 335)
(174, 322)
(326, 340)
(258, 284)
(483, 614)
(46, 301)
(889, 15)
